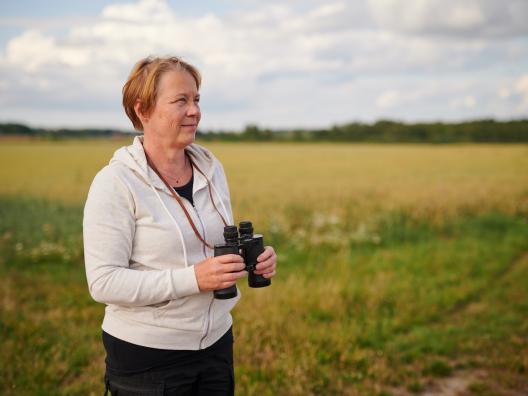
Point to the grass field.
(403, 269)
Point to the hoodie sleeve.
(108, 233)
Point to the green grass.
(355, 310)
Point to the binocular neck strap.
(179, 200)
(209, 188)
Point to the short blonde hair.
(143, 82)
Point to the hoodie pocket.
(180, 314)
(161, 304)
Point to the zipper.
(207, 323)
(208, 318)
(203, 229)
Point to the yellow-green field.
(403, 268)
(427, 179)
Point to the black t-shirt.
(186, 190)
(125, 358)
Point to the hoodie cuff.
(184, 282)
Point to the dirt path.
(455, 385)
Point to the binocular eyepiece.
(249, 246)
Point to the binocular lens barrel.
(231, 235)
(252, 248)
(231, 291)
(246, 229)
(230, 247)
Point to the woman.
(151, 219)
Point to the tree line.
(383, 131)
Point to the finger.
(238, 275)
(232, 267)
(230, 258)
(234, 276)
(269, 274)
(264, 270)
(224, 285)
(266, 264)
(266, 254)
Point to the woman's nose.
(194, 109)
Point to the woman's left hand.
(267, 263)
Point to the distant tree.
(382, 131)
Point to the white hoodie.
(140, 251)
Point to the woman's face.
(176, 114)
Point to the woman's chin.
(186, 138)
(176, 139)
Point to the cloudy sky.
(278, 64)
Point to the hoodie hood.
(133, 157)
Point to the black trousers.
(207, 372)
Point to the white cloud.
(504, 93)
(30, 50)
(468, 102)
(143, 11)
(513, 92)
(521, 87)
(389, 99)
(470, 18)
(284, 63)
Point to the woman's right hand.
(215, 273)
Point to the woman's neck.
(170, 161)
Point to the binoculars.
(249, 246)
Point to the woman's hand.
(267, 263)
(215, 273)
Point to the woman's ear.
(139, 112)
